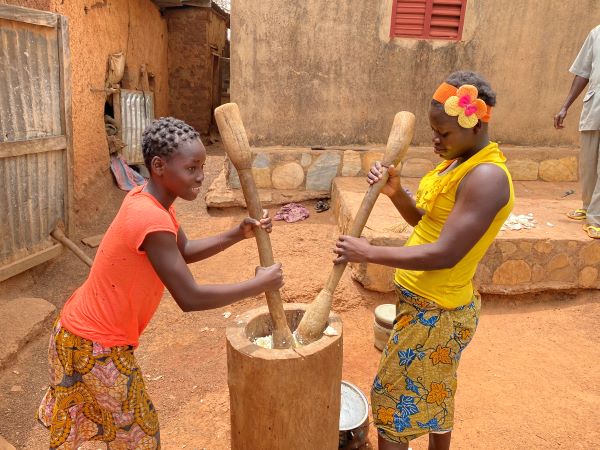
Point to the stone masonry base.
(293, 174)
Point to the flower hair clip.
(463, 103)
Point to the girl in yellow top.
(459, 209)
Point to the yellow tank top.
(452, 287)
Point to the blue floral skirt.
(413, 392)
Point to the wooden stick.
(315, 319)
(59, 235)
(237, 147)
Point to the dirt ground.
(529, 379)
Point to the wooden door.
(35, 136)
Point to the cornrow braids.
(162, 136)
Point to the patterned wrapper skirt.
(96, 393)
(413, 392)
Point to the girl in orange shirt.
(97, 391)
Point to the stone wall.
(510, 266)
(194, 35)
(514, 264)
(300, 173)
(327, 73)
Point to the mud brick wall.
(97, 29)
(194, 35)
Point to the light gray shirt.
(587, 65)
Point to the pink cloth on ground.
(292, 212)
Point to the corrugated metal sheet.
(31, 201)
(33, 159)
(29, 82)
(137, 111)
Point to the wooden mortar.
(286, 399)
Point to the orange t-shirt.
(122, 291)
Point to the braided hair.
(162, 136)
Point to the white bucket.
(383, 324)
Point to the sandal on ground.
(578, 214)
(322, 205)
(592, 231)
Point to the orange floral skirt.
(413, 392)
(96, 393)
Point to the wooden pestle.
(315, 319)
(237, 147)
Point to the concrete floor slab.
(22, 320)
(5, 445)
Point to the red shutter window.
(428, 19)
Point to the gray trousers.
(589, 175)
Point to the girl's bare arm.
(481, 195)
(407, 207)
(199, 249)
(405, 204)
(167, 260)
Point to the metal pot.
(354, 418)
